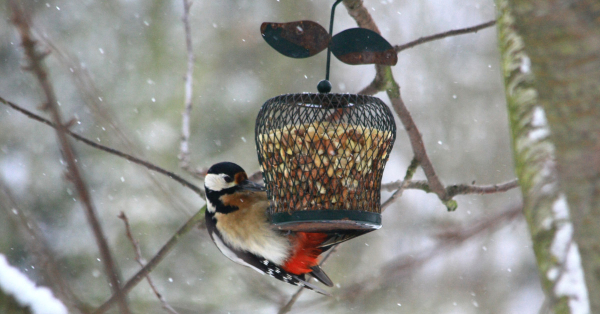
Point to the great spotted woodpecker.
(238, 224)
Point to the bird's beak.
(248, 185)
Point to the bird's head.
(226, 178)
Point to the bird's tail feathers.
(321, 276)
(310, 286)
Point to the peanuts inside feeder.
(322, 158)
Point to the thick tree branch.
(37, 68)
(547, 76)
(109, 150)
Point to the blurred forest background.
(118, 67)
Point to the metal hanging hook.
(324, 86)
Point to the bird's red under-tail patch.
(305, 253)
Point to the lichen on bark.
(544, 204)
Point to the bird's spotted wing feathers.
(248, 259)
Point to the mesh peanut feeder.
(322, 155)
(322, 158)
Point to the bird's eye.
(228, 179)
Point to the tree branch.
(109, 150)
(184, 149)
(142, 262)
(460, 31)
(456, 189)
(36, 66)
(447, 240)
(385, 81)
(162, 253)
(410, 172)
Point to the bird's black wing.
(253, 261)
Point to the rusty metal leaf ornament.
(363, 46)
(300, 39)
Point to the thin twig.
(184, 147)
(422, 40)
(36, 66)
(142, 262)
(288, 306)
(162, 253)
(456, 189)
(410, 172)
(113, 151)
(94, 99)
(445, 241)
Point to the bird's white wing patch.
(231, 254)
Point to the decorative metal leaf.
(363, 46)
(300, 39)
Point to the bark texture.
(562, 38)
(546, 191)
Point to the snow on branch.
(39, 299)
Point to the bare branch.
(460, 31)
(162, 253)
(447, 240)
(109, 150)
(184, 147)
(410, 172)
(456, 189)
(21, 22)
(99, 105)
(288, 306)
(385, 81)
(416, 141)
(142, 261)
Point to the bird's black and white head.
(226, 178)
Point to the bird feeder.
(322, 155)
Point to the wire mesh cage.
(322, 158)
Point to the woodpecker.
(237, 221)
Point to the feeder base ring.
(327, 221)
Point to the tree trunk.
(547, 60)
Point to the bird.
(237, 222)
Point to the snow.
(525, 66)
(560, 208)
(39, 299)
(539, 117)
(539, 124)
(570, 281)
(562, 240)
